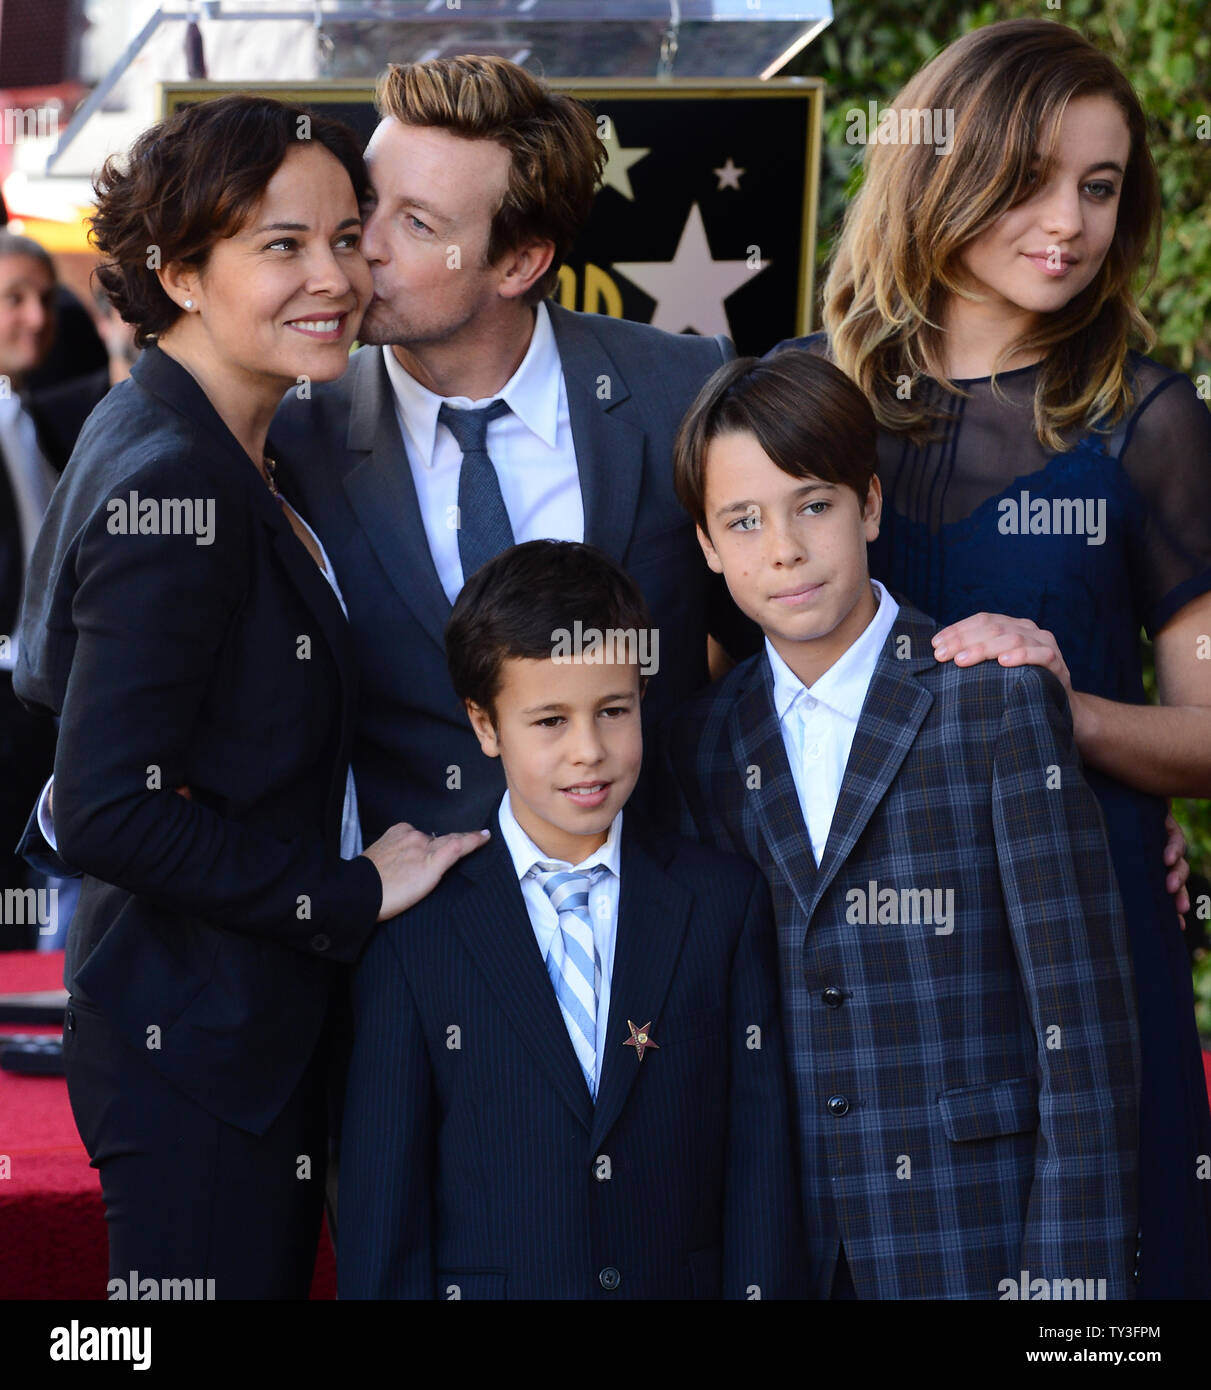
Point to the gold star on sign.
(616, 173)
(640, 1039)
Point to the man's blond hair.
(555, 155)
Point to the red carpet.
(52, 1222)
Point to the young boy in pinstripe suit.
(956, 984)
(567, 1076)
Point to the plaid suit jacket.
(965, 1081)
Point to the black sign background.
(770, 130)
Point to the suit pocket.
(454, 1285)
(990, 1110)
(706, 1272)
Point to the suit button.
(609, 1278)
(838, 1105)
(833, 997)
(319, 942)
(69, 1021)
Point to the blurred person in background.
(28, 287)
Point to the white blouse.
(351, 830)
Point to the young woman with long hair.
(1048, 488)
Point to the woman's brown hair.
(897, 257)
(190, 181)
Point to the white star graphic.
(690, 289)
(618, 161)
(728, 176)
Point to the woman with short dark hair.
(185, 625)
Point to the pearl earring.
(189, 303)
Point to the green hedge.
(874, 46)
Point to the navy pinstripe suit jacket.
(966, 1093)
(474, 1163)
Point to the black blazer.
(474, 1162)
(628, 386)
(225, 665)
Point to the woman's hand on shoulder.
(1009, 641)
(1178, 868)
(411, 863)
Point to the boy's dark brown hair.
(806, 414)
(190, 181)
(516, 604)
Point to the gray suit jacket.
(343, 462)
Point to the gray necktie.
(483, 522)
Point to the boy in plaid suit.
(956, 986)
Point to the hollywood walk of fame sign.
(705, 220)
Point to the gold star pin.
(640, 1039)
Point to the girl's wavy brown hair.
(897, 257)
(190, 181)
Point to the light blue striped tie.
(572, 961)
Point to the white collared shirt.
(531, 448)
(32, 480)
(603, 901)
(818, 722)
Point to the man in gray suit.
(479, 414)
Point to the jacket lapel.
(896, 703)
(609, 449)
(609, 458)
(501, 943)
(383, 496)
(325, 608)
(653, 911)
(770, 792)
(162, 376)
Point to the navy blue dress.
(1092, 544)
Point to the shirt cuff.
(46, 822)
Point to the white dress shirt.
(351, 831)
(818, 722)
(603, 902)
(32, 479)
(530, 447)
